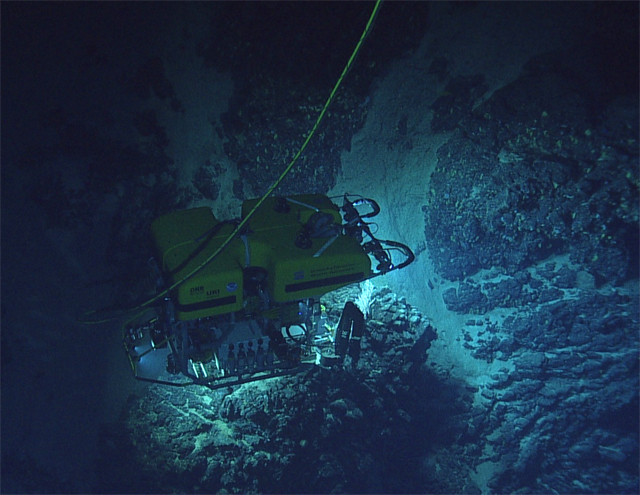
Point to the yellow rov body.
(295, 269)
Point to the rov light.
(158, 337)
(198, 369)
(149, 362)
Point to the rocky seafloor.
(558, 417)
(533, 225)
(345, 429)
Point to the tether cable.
(244, 221)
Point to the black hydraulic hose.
(406, 250)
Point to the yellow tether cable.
(240, 226)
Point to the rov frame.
(254, 312)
